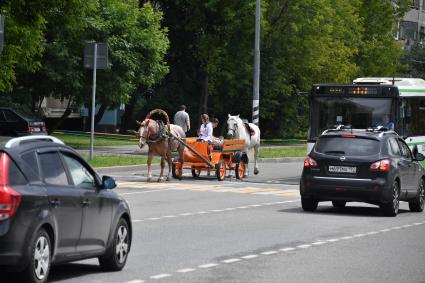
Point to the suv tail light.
(9, 198)
(310, 162)
(381, 165)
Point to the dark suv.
(370, 166)
(19, 123)
(54, 208)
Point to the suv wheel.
(38, 268)
(417, 204)
(339, 203)
(309, 204)
(116, 256)
(391, 208)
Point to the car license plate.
(36, 129)
(342, 169)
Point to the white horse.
(236, 130)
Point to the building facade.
(412, 27)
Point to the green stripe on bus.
(412, 90)
(417, 143)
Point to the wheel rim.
(421, 195)
(41, 257)
(395, 197)
(121, 249)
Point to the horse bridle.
(234, 129)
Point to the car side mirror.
(108, 183)
(419, 157)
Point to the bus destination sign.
(354, 90)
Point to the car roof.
(366, 133)
(22, 144)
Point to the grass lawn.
(281, 152)
(84, 141)
(109, 161)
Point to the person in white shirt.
(181, 118)
(206, 129)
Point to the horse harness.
(162, 133)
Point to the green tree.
(380, 54)
(24, 31)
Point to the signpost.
(1, 32)
(256, 87)
(95, 57)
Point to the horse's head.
(144, 132)
(232, 126)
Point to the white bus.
(360, 106)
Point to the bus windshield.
(359, 112)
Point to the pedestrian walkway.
(217, 188)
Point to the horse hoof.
(160, 180)
(148, 179)
(256, 171)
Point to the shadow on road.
(58, 273)
(352, 211)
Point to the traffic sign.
(102, 56)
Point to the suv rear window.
(347, 146)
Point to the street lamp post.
(256, 86)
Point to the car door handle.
(55, 202)
(86, 202)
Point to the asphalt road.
(255, 231)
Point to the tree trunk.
(65, 115)
(203, 106)
(98, 116)
(128, 113)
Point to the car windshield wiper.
(335, 152)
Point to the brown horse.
(150, 133)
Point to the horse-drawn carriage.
(200, 156)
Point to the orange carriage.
(200, 156)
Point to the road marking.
(249, 256)
(287, 249)
(185, 270)
(318, 243)
(208, 265)
(160, 276)
(231, 260)
(208, 212)
(145, 192)
(225, 188)
(269, 253)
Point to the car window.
(2, 119)
(10, 116)
(394, 148)
(52, 169)
(30, 161)
(16, 178)
(79, 173)
(405, 151)
(347, 146)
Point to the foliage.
(415, 58)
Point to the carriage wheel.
(177, 170)
(196, 173)
(220, 170)
(240, 170)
